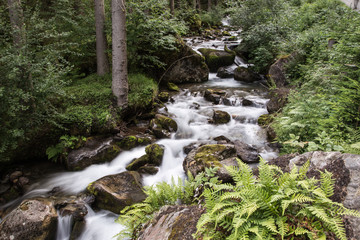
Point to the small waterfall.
(64, 227)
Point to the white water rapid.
(191, 112)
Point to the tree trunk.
(101, 43)
(16, 21)
(198, 5)
(209, 5)
(119, 58)
(172, 5)
(194, 3)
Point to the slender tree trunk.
(209, 5)
(119, 58)
(101, 43)
(194, 3)
(172, 5)
(16, 21)
(198, 5)
(216, 2)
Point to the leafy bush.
(142, 91)
(275, 205)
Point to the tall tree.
(209, 5)
(101, 43)
(119, 58)
(16, 21)
(172, 6)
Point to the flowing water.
(192, 113)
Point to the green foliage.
(142, 91)
(212, 18)
(66, 142)
(272, 206)
(150, 30)
(187, 192)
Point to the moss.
(130, 142)
(137, 163)
(208, 154)
(155, 153)
(265, 120)
(173, 87)
(217, 58)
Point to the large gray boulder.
(34, 219)
(217, 58)
(172, 223)
(246, 153)
(346, 173)
(278, 99)
(95, 151)
(114, 192)
(246, 75)
(277, 74)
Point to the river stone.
(172, 223)
(217, 58)
(114, 192)
(163, 97)
(346, 173)
(211, 155)
(246, 102)
(246, 75)
(153, 157)
(163, 126)
(132, 141)
(225, 72)
(246, 153)
(98, 151)
(213, 96)
(34, 219)
(221, 117)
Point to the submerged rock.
(32, 219)
(94, 152)
(246, 75)
(217, 58)
(172, 223)
(114, 192)
(163, 126)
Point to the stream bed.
(192, 113)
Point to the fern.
(273, 205)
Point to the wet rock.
(114, 192)
(225, 72)
(172, 223)
(77, 229)
(163, 97)
(154, 155)
(246, 102)
(246, 153)
(217, 58)
(163, 126)
(226, 101)
(98, 151)
(22, 181)
(346, 171)
(265, 120)
(277, 74)
(77, 210)
(15, 175)
(195, 105)
(32, 219)
(190, 147)
(278, 99)
(148, 169)
(211, 155)
(214, 96)
(246, 75)
(222, 139)
(188, 67)
(129, 142)
(221, 117)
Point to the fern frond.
(327, 183)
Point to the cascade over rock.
(114, 192)
(32, 219)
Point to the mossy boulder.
(211, 155)
(95, 151)
(278, 99)
(221, 117)
(114, 192)
(153, 157)
(129, 142)
(172, 223)
(32, 219)
(163, 97)
(277, 71)
(217, 58)
(246, 75)
(163, 126)
(173, 87)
